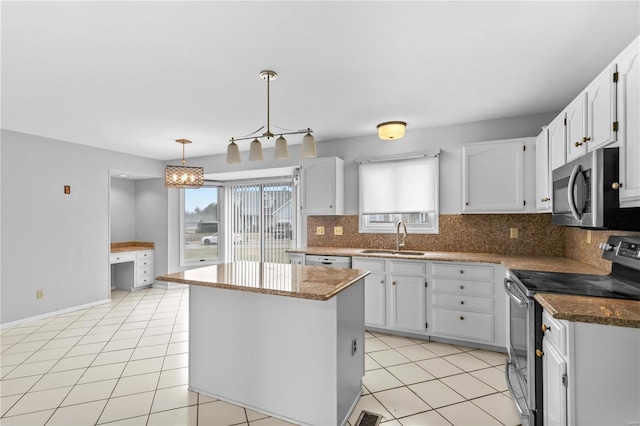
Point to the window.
(399, 189)
(200, 236)
(263, 214)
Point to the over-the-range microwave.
(585, 193)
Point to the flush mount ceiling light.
(391, 130)
(183, 176)
(281, 148)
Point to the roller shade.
(399, 186)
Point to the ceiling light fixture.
(183, 176)
(281, 148)
(391, 130)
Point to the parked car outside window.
(213, 239)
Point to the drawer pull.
(462, 271)
(461, 287)
(381, 281)
(461, 318)
(462, 302)
(393, 283)
(545, 327)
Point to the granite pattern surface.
(579, 248)
(131, 246)
(534, 263)
(593, 310)
(475, 233)
(305, 282)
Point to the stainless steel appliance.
(523, 370)
(328, 261)
(585, 193)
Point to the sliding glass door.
(263, 220)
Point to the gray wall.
(151, 211)
(52, 241)
(122, 203)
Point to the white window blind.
(399, 186)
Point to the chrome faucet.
(400, 244)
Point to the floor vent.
(367, 418)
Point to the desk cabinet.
(132, 269)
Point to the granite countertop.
(131, 246)
(281, 279)
(594, 310)
(540, 263)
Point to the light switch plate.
(319, 230)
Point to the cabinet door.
(408, 303)
(554, 370)
(543, 173)
(601, 110)
(493, 177)
(557, 142)
(629, 125)
(375, 300)
(576, 128)
(322, 179)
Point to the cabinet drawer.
(447, 285)
(144, 263)
(121, 257)
(462, 270)
(144, 270)
(463, 324)
(408, 268)
(142, 255)
(463, 302)
(555, 332)
(373, 265)
(143, 280)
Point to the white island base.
(287, 357)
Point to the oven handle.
(512, 295)
(570, 191)
(507, 378)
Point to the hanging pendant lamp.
(183, 176)
(281, 151)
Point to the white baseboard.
(51, 314)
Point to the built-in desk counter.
(131, 264)
(285, 340)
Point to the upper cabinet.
(543, 172)
(557, 142)
(493, 177)
(323, 186)
(629, 125)
(601, 110)
(575, 127)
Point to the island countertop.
(281, 279)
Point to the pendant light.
(281, 148)
(391, 130)
(183, 176)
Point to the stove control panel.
(622, 250)
(629, 250)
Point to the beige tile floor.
(125, 363)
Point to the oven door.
(520, 369)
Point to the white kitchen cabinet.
(132, 269)
(322, 186)
(601, 110)
(467, 303)
(557, 142)
(395, 296)
(493, 177)
(296, 258)
(576, 127)
(144, 268)
(591, 373)
(628, 102)
(543, 172)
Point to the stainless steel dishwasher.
(328, 261)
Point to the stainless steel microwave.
(585, 193)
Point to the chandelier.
(183, 176)
(281, 148)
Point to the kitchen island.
(285, 340)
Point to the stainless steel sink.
(393, 252)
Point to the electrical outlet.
(588, 237)
(337, 230)
(39, 294)
(354, 346)
(138, 234)
(319, 230)
(514, 232)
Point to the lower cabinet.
(132, 269)
(296, 258)
(591, 373)
(450, 300)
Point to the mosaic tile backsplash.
(484, 233)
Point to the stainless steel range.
(523, 370)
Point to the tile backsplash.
(481, 233)
(577, 245)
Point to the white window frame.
(221, 233)
(431, 227)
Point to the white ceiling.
(135, 76)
